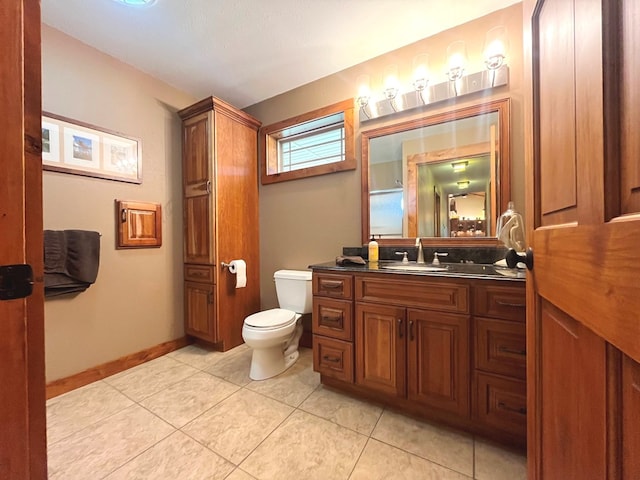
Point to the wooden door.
(22, 381)
(381, 348)
(237, 223)
(198, 185)
(199, 311)
(583, 219)
(438, 360)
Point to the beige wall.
(136, 301)
(310, 220)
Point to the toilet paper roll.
(239, 269)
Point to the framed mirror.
(444, 178)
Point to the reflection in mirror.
(443, 177)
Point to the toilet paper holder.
(225, 265)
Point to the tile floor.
(195, 414)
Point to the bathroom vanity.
(446, 345)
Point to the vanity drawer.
(442, 295)
(501, 403)
(499, 301)
(501, 347)
(333, 318)
(333, 358)
(333, 285)
(199, 273)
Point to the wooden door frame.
(22, 376)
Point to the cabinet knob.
(400, 329)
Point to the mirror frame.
(502, 107)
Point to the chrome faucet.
(420, 253)
(436, 261)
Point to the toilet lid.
(276, 317)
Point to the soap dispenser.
(373, 250)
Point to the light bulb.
(457, 60)
(420, 71)
(495, 47)
(391, 81)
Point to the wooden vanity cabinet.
(220, 216)
(448, 349)
(418, 353)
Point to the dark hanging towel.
(71, 259)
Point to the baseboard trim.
(64, 385)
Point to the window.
(314, 143)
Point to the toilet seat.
(271, 319)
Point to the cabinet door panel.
(573, 371)
(501, 403)
(333, 285)
(380, 348)
(196, 166)
(499, 301)
(630, 418)
(501, 347)
(333, 318)
(197, 180)
(438, 362)
(199, 230)
(198, 310)
(333, 358)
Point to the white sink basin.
(415, 267)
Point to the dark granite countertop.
(460, 270)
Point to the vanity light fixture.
(364, 94)
(136, 3)
(463, 184)
(391, 85)
(457, 60)
(421, 76)
(495, 49)
(460, 166)
(392, 98)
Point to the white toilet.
(274, 334)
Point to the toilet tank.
(293, 288)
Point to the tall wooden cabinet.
(220, 188)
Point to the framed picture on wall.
(69, 146)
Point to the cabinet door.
(630, 416)
(380, 348)
(438, 360)
(197, 176)
(199, 314)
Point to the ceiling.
(245, 51)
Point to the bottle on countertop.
(373, 250)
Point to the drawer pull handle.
(509, 304)
(327, 358)
(504, 406)
(337, 320)
(331, 284)
(400, 332)
(512, 351)
(411, 337)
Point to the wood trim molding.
(503, 176)
(215, 104)
(269, 134)
(64, 385)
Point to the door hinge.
(16, 281)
